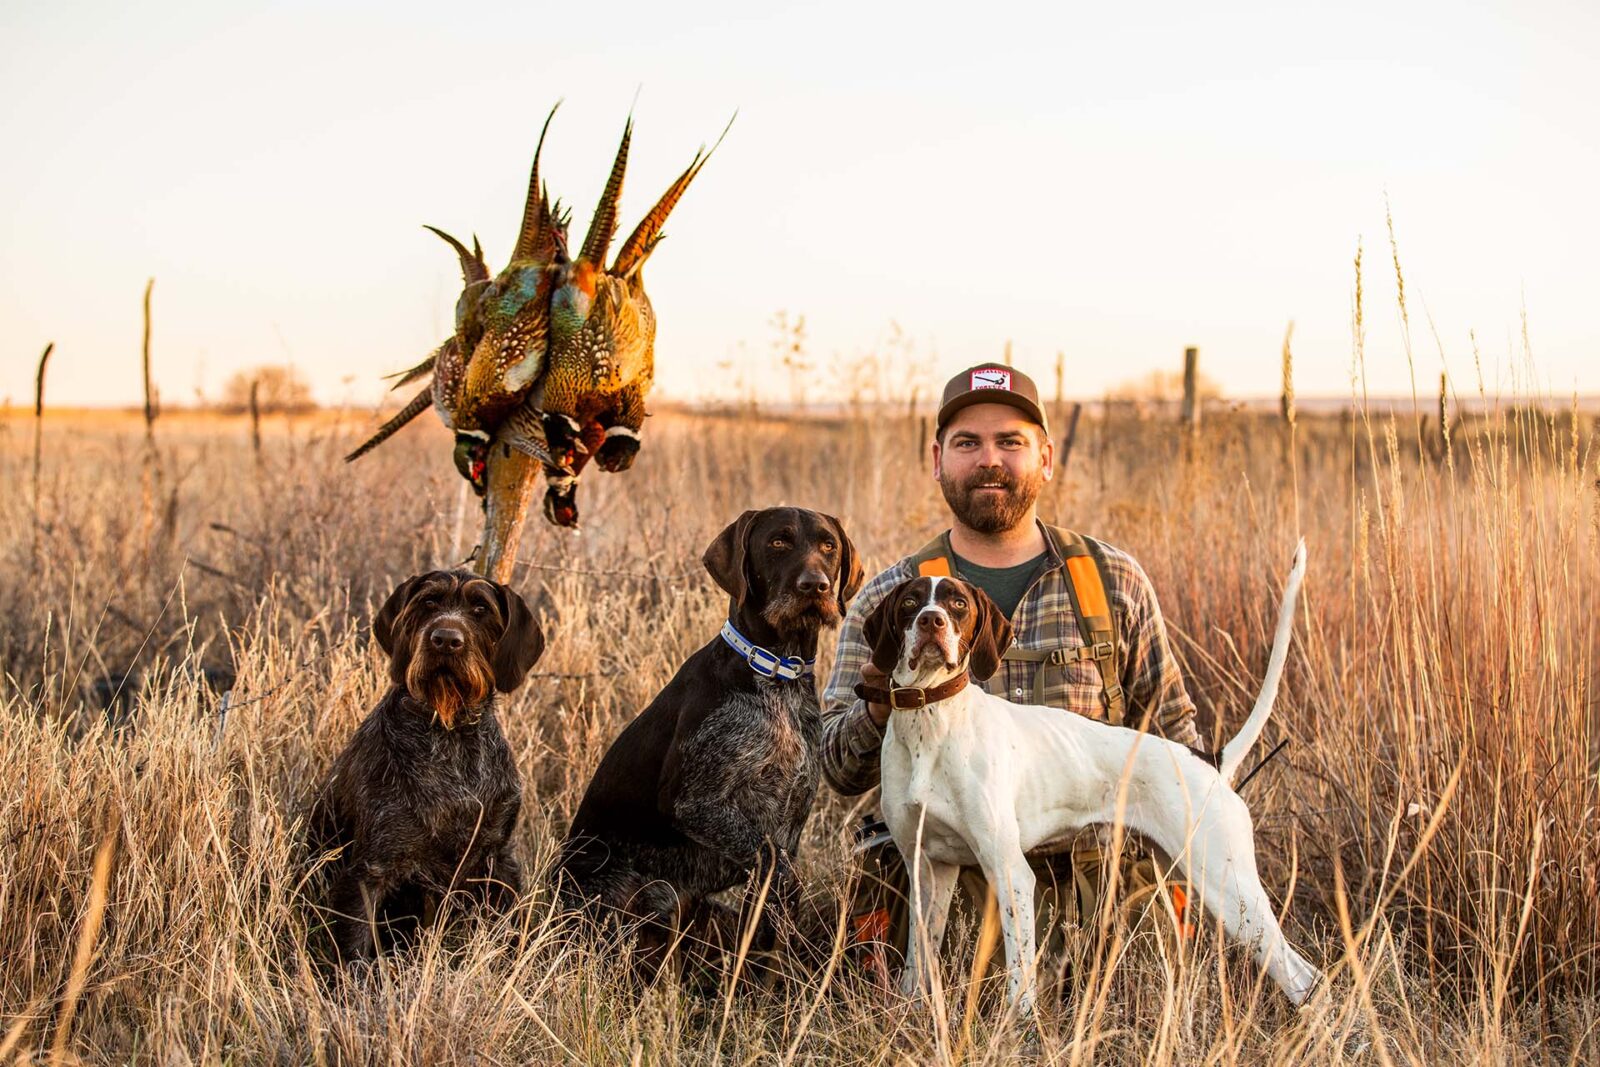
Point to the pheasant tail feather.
(634, 251)
(417, 406)
(536, 211)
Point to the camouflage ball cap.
(991, 383)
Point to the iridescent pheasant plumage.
(601, 360)
(555, 355)
(495, 357)
(501, 330)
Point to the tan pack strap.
(1093, 609)
(1054, 657)
(1058, 657)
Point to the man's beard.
(987, 511)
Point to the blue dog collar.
(763, 661)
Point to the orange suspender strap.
(1089, 602)
(935, 559)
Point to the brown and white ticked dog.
(973, 779)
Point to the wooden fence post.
(1191, 398)
(1061, 376)
(255, 417)
(150, 479)
(1069, 438)
(38, 442)
(149, 401)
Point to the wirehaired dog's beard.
(986, 511)
(801, 617)
(451, 687)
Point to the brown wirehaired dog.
(422, 801)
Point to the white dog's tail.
(1234, 752)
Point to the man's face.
(991, 465)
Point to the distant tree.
(789, 352)
(281, 390)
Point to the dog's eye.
(959, 603)
(909, 602)
(478, 609)
(780, 542)
(430, 602)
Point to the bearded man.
(1110, 660)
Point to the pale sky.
(1112, 181)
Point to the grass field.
(1431, 830)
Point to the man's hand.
(872, 676)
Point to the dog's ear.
(520, 645)
(725, 558)
(991, 636)
(850, 573)
(881, 634)
(391, 634)
(383, 623)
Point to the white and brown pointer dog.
(970, 778)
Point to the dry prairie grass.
(1430, 830)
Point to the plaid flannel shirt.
(1044, 619)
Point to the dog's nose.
(813, 582)
(930, 620)
(447, 639)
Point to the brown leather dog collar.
(910, 698)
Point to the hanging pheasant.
(554, 356)
(601, 360)
(494, 359)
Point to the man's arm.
(1150, 677)
(851, 737)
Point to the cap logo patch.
(991, 378)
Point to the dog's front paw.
(1030, 1043)
(1352, 1040)
(916, 986)
(620, 449)
(790, 888)
(910, 985)
(783, 868)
